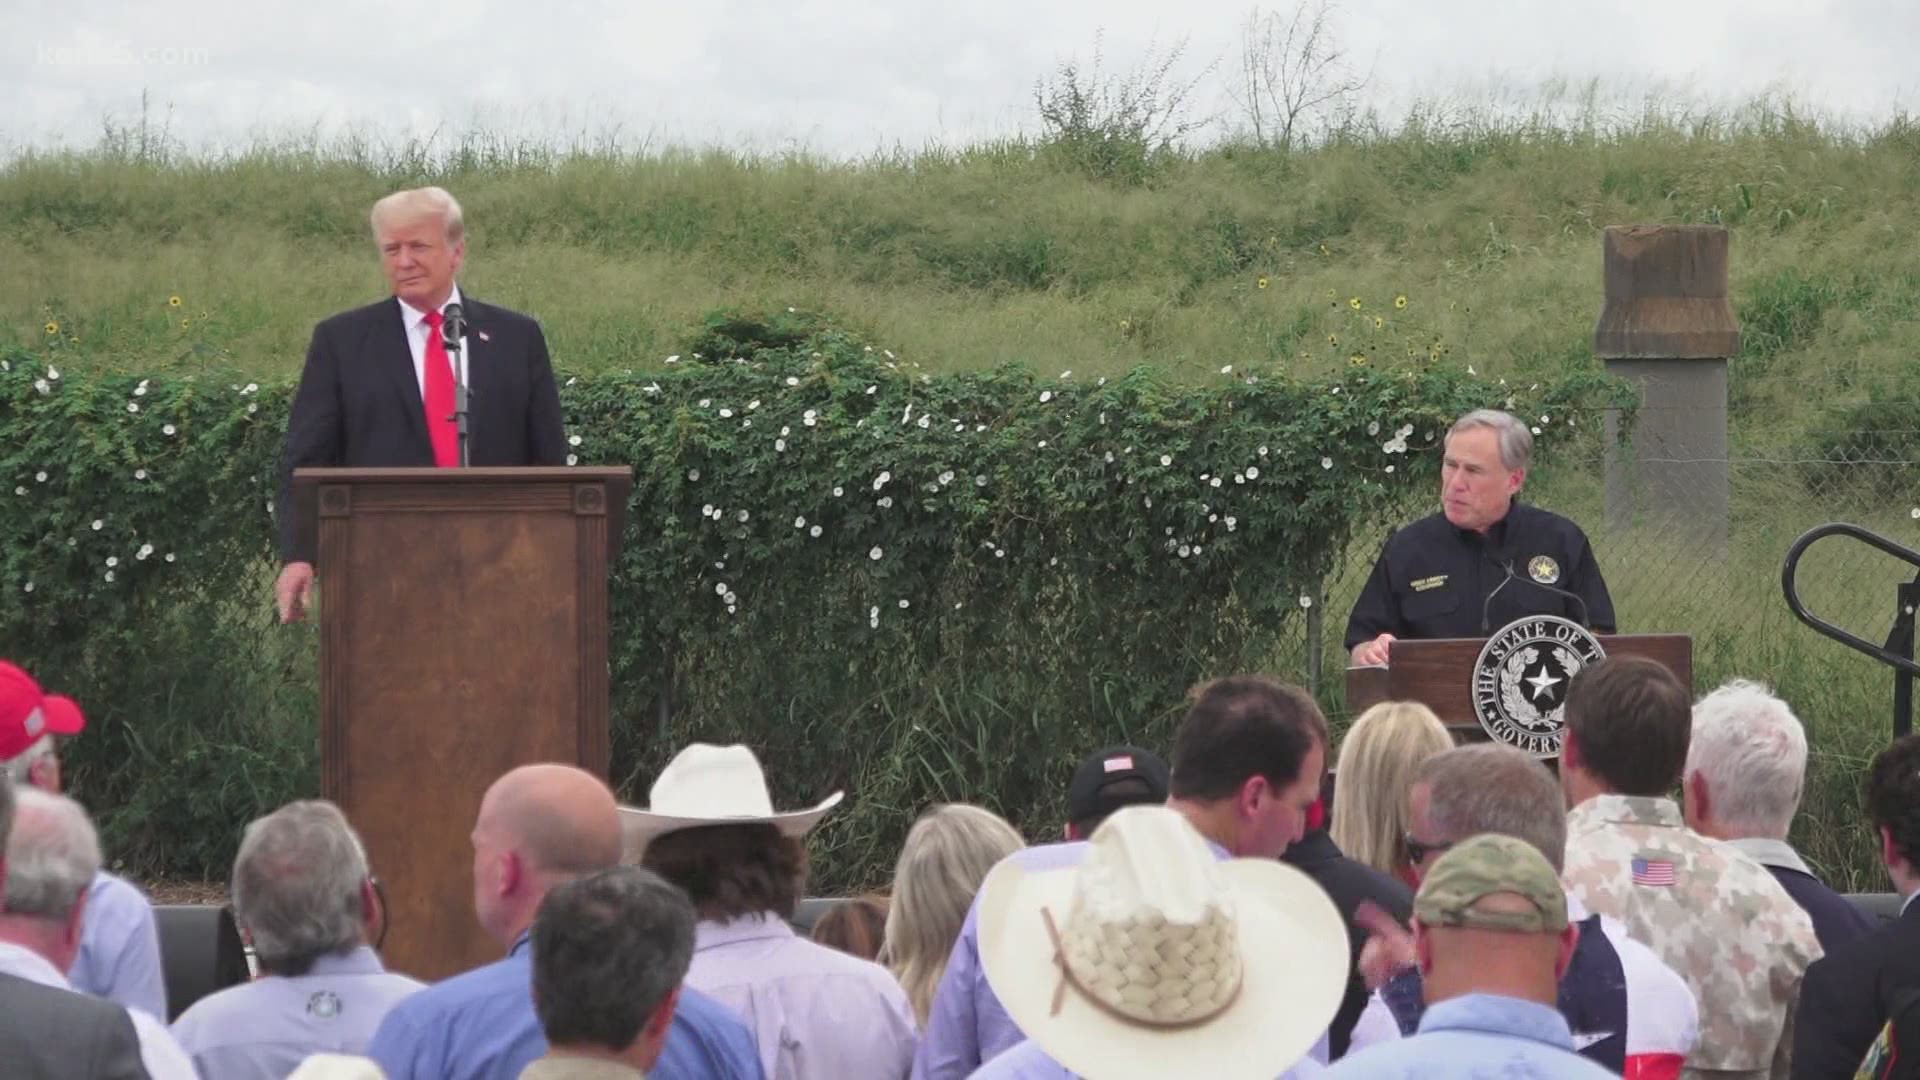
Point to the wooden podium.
(1439, 674)
(463, 632)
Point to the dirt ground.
(170, 891)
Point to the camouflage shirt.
(1714, 915)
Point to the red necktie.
(438, 398)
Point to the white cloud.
(845, 76)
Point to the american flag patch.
(1654, 872)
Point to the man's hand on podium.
(1370, 653)
(294, 590)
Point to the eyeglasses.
(1417, 852)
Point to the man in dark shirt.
(1485, 559)
(1746, 769)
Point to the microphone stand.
(452, 333)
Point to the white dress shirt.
(415, 322)
(159, 1051)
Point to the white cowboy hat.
(1153, 958)
(337, 1067)
(714, 785)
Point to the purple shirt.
(1026, 1061)
(264, 1029)
(816, 1013)
(119, 957)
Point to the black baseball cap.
(1112, 778)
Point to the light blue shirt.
(1026, 1061)
(119, 957)
(480, 1025)
(1477, 1035)
(264, 1029)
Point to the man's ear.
(1696, 798)
(1422, 949)
(1569, 941)
(1515, 480)
(1252, 795)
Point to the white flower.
(885, 503)
(169, 556)
(1306, 601)
(1239, 478)
(1915, 513)
(250, 388)
(815, 532)
(1373, 427)
(903, 604)
(1263, 451)
(808, 417)
(792, 381)
(1103, 419)
(693, 474)
(1326, 463)
(1166, 459)
(134, 406)
(41, 385)
(22, 491)
(924, 421)
(1232, 523)
(571, 380)
(1185, 551)
(999, 553)
(979, 427)
(705, 401)
(1046, 396)
(726, 414)
(746, 423)
(906, 414)
(166, 429)
(113, 560)
(1389, 468)
(98, 524)
(573, 459)
(752, 405)
(731, 609)
(252, 407)
(1544, 420)
(40, 477)
(838, 491)
(706, 511)
(980, 481)
(947, 477)
(139, 474)
(871, 389)
(145, 550)
(881, 480)
(1197, 549)
(674, 359)
(720, 589)
(1536, 429)
(1109, 457)
(1406, 430)
(779, 446)
(731, 599)
(875, 554)
(1149, 502)
(652, 388)
(28, 587)
(109, 575)
(1042, 445)
(1470, 370)
(742, 517)
(1215, 482)
(1253, 472)
(140, 391)
(889, 353)
(53, 372)
(1211, 518)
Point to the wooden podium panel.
(1439, 674)
(463, 623)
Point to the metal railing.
(1897, 652)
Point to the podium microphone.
(453, 331)
(1505, 564)
(453, 326)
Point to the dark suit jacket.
(1847, 995)
(1836, 922)
(359, 401)
(1348, 883)
(50, 1034)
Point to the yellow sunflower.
(1263, 281)
(53, 328)
(1400, 301)
(1358, 359)
(1353, 302)
(1379, 323)
(173, 301)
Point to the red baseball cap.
(28, 712)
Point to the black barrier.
(200, 952)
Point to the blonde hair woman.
(946, 857)
(1377, 761)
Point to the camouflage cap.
(1490, 865)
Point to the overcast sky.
(845, 76)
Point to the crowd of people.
(1225, 911)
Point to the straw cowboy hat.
(713, 785)
(1153, 958)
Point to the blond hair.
(1378, 759)
(420, 204)
(946, 857)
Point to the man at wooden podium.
(1485, 559)
(378, 386)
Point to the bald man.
(539, 826)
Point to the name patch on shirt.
(1425, 583)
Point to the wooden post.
(1669, 328)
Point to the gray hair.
(20, 766)
(419, 204)
(1491, 788)
(297, 884)
(53, 855)
(1516, 442)
(607, 950)
(1752, 751)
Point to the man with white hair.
(119, 956)
(378, 386)
(304, 896)
(1746, 771)
(53, 854)
(1485, 559)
